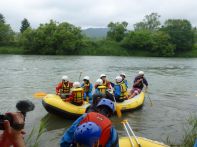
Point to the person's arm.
(67, 138)
(59, 86)
(91, 87)
(109, 85)
(113, 140)
(145, 82)
(11, 136)
(137, 82)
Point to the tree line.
(149, 35)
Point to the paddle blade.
(118, 111)
(40, 94)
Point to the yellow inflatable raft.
(54, 104)
(144, 142)
(133, 103)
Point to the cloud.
(94, 13)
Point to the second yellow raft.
(144, 142)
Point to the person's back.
(94, 122)
(77, 95)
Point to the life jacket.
(123, 89)
(102, 89)
(66, 87)
(103, 122)
(77, 95)
(86, 87)
(105, 83)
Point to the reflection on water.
(172, 88)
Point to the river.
(172, 83)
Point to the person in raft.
(99, 88)
(87, 87)
(138, 84)
(93, 129)
(106, 82)
(64, 87)
(77, 95)
(123, 75)
(120, 89)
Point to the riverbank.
(105, 49)
(11, 50)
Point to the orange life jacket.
(66, 87)
(103, 122)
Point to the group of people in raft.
(76, 93)
(94, 128)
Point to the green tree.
(117, 31)
(6, 33)
(180, 32)
(137, 40)
(150, 22)
(2, 19)
(52, 38)
(160, 44)
(24, 25)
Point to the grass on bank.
(190, 134)
(11, 50)
(33, 140)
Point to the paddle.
(151, 104)
(39, 94)
(118, 109)
(80, 76)
(126, 124)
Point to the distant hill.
(95, 32)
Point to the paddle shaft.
(128, 134)
(133, 133)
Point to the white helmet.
(86, 78)
(65, 78)
(76, 84)
(118, 79)
(123, 74)
(141, 73)
(99, 82)
(102, 75)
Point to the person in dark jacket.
(138, 84)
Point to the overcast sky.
(94, 13)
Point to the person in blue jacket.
(93, 129)
(87, 86)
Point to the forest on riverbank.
(173, 38)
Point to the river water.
(172, 89)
